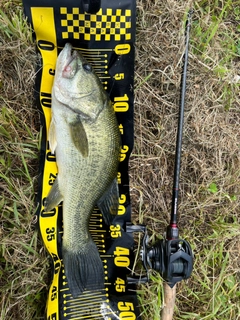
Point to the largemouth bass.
(85, 137)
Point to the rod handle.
(169, 302)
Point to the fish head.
(76, 86)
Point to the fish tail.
(84, 269)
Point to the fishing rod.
(171, 256)
(172, 229)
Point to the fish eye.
(87, 67)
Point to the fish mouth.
(70, 63)
(69, 56)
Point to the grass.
(209, 215)
(209, 203)
(23, 266)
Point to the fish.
(85, 137)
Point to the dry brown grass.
(23, 266)
(210, 154)
(209, 218)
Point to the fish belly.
(82, 181)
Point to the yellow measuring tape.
(110, 33)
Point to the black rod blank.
(177, 167)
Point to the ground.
(209, 183)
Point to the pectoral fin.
(54, 197)
(79, 137)
(52, 137)
(108, 203)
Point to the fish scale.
(84, 134)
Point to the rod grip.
(169, 302)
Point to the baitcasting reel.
(173, 258)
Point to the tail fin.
(84, 269)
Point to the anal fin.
(109, 202)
